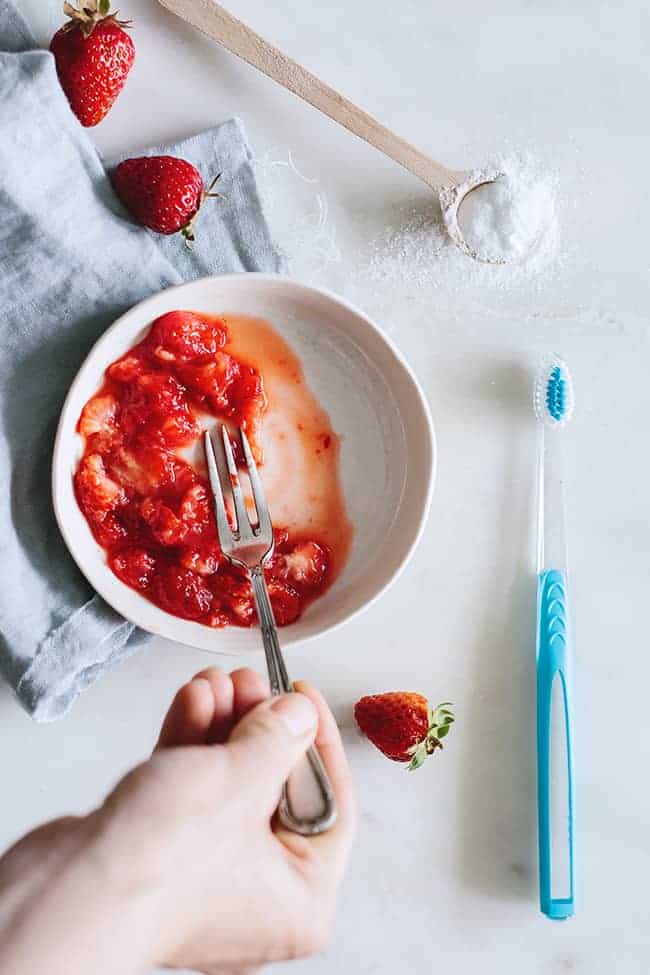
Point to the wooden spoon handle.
(236, 37)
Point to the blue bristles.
(556, 394)
(553, 392)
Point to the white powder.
(516, 217)
(506, 219)
(387, 253)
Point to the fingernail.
(297, 712)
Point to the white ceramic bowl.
(374, 401)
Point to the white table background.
(444, 874)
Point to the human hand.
(231, 887)
(184, 864)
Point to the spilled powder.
(386, 253)
(516, 218)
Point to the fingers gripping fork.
(307, 803)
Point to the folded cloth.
(71, 261)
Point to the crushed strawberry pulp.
(149, 508)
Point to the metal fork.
(307, 804)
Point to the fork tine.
(223, 525)
(241, 514)
(265, 529)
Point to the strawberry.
(285, 602)
(165, 526)
(182, 592)
(163, 193)
(98, 413)
(134, 566)
(180, 336)
(304, 567)
(93, 56)
(97, 492)
(204, 560)
(402, 725)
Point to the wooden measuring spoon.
(451, 186)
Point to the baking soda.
(506, 219)
(516, 218)
(386, 254)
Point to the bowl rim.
(274, 281)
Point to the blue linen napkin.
(71, 261)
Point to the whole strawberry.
(162, 192)
(402, 725)
(93, 56)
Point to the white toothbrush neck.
(552, 547)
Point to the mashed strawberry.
(151, 510)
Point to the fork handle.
(307, 803)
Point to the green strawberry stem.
(89, 14)
(440, 721)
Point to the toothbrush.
(553, 401)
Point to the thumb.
(268, 742)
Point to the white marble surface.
(444, 873)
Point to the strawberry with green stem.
(93, 54)
(163, 193)
(403, 726)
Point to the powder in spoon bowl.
(506, 219)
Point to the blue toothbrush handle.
(553, 663)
